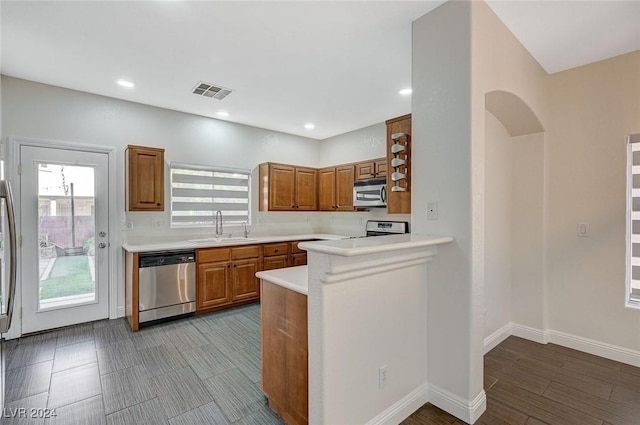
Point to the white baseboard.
(597, 348)
(120, 312)
(608, 351)
(468, 411)
(497, 337)
(532, 334)
(402, 409)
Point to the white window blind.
(198, 191)
(633, 221)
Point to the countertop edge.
(185, 245)
(382, 244)
(274, 276)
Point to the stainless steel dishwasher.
(166, 284)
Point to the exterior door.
(64, 228)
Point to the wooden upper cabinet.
(145, 175)
(335, 188)
(375, 168)
(327, 189)
(287, 188)
(306, 190)
(399, 202)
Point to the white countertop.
(373, 245)
(185, 244)
(294, 278)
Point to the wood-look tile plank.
(18, 412)
(208, 414)
(603, 373)
(180, 391)
(505, 413)
(516, 376)
(565, 352)
(125, 388)
(549, 411)
(27, 381)
(532, 350)
(118, 356)
(162, 359)
(615, 413)
(564, 376)
(207, 361)
(71, 385)
(263, 416)
(75, 334)
(85, 412)
(147, 413)
(236, 395)
(625, 396)
(74, 355)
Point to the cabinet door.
(365, 170)
(306, 189)
(296, 353)
(299, 259)
(246, 285)
(327, 189)
(213, 285)
(275, 262)
(344, 188)
(274, 340)
(380, 167)
(282, 181)
(146, 178)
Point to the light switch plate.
(584, 230)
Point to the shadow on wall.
(514, 216)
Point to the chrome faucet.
(246, 232)
(219, 230)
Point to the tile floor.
(200, 370)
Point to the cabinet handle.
(158, 204)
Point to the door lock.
(102, 234)
(102, 245)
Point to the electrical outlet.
(156, 224)
(127, 225)
(383, 376)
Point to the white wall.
(527, 231)
(592, 109)
(358, 145)
(38, 111)
(441, 125)
(499, 157)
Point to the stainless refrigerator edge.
(7, 277)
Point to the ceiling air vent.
(210, 90)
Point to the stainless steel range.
(384, 228)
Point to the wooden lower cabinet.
(285, 352)
(275, 262)
(226, 276)
(213, 285)
(245, 284)
(298, 256)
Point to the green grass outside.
(69, 276)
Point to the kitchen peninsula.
(366, 331)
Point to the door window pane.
(66, 230)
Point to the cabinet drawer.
(213, 254)
(275, 249)
(251, 251)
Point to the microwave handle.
(383, 194)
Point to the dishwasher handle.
(166, 259)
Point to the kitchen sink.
(233, 239)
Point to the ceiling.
(338, 65)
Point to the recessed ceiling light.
(309, 126)
(222, 114)
(405, 92)
(125, 83)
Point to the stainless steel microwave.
(370, 193)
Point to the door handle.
(102, 245)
